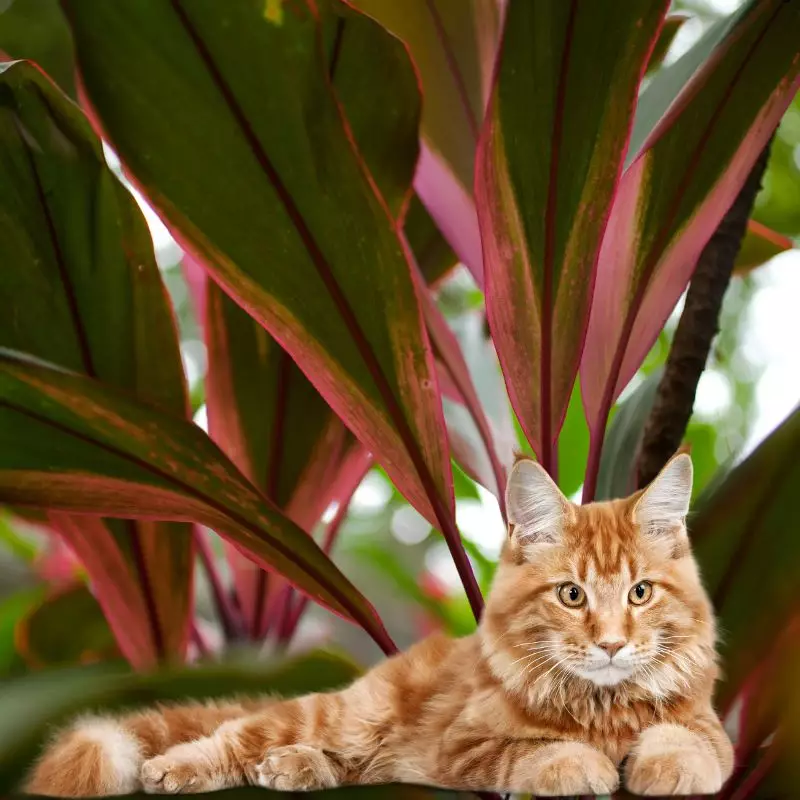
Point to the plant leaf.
(434, 256)
(453, 46)
(447, 352)
(363, 61)
(617, 476)
(669, 30)
(44, 640)
(759, 245)
(688, 170)
(287, 221)
(37, 30)
(70, 443)
(744, 537)
(87, 295)
(549, 162)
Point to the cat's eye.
(571, 595)
(641, 593)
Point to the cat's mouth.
(608, 674)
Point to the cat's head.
(602, 595)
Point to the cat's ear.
(664, 504)
(536, 508)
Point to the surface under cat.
(595, 655)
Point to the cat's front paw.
(672, 760)
(569, 768)
(183, 769)
(165, 775)
(296, 768)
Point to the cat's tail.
(102, 755)
(95, 756)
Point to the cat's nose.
(612, 648)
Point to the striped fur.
(516, 706)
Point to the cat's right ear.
(537, 510)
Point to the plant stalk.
(698, 325)
(229, 618)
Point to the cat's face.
(604, 595)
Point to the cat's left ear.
(665, 502)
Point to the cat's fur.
(528, 703)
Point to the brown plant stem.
(698, 325)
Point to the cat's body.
(569, 673)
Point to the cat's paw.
(672, 760)
(569, 768)
(296, 768)
(173, 775)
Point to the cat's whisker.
(542, 656)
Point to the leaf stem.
(140, 564)
(230, 619)
(293, 612)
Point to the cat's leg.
(670, 759)
(289, 746)
(531, 766)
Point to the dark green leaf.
(744, 532)
(71, 443)
(36, 30)
(287, 221)
(86, 294)
(617, 476)
(43, 638)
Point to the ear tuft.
(665, 502)
(536, 507)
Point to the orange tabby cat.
(597, 644)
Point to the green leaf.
(33, 705)
(573, 446)
(548, 167)
(453, 45)
(433, 254)
(36, 30)
(617, 476)
(71, 443)
(86, 292)
(286, 219)
(13, 608)
(365, 61)
(44, 640)
(744, 536)
(759, 245)
(443, 38)
(669, 30)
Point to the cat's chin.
(609, 675)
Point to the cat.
(596, 649)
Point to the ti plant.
(324, 167)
